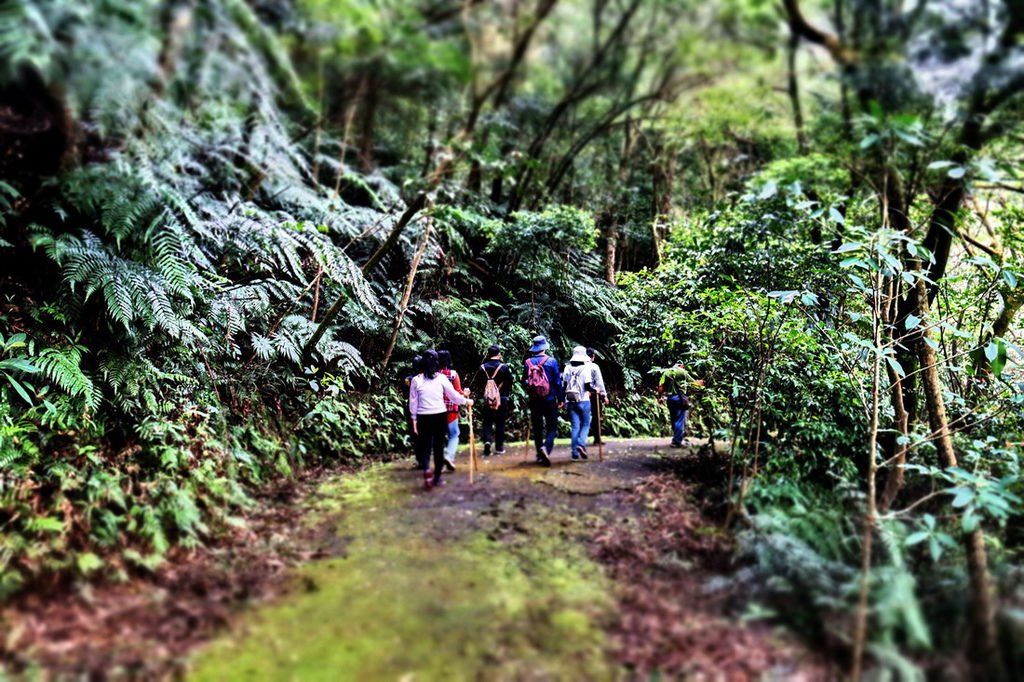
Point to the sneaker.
(487, 449)
(428, 479)
(583, 452)
(542, 457)
(500, 452)
(676, 445)
(575, 456)
(449, 465)
(437, 482)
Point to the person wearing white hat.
(577, 379)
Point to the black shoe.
(500, 452)
(542, 458)
(487, 449)
(449, 465)
(583, 452)
(676, 445)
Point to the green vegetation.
(226, 228)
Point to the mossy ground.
(433, 586)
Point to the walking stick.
(472, 444)
(526, 443)
(600, 439)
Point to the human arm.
(598, 380)
(504, 379)
(457, 384)
(414, 400)
(555, 379)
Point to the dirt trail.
(584, 571)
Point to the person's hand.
(469, 403)
(561, 405)
(466, 392)
(605, 398)
(414, 431)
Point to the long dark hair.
(444, 359)
(430, 364)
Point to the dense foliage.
(227, 226)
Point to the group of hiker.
(437, 392)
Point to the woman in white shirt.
(427, 393)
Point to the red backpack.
(537, 384)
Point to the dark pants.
(677, 415)
(432, 434)
(544, 423)
(494, 425)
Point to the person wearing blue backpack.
(544, 389)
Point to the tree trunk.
(983, 644)
(611, 240)
(407, 294)
(794, 89)
(860, 631)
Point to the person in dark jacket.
(597, 392)
(494, 420)
(544, 408)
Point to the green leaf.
(869, 141)
(970, 521)
(917, 538)
(962, 496)
(911, 322)
(938, 165)
(956, 173)
(851, 246)
(896, 366)
(19, 389)
(769, 190)
(89, 562)
(1010, 278)
(48, 524)
(19, 364)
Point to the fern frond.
(63, 368)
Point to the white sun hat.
(579, 354)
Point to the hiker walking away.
(422, 458)
(444, 359)
(497, 389)
(672, 388)
(576, 379)
(597, 392)
(544, 389)
(427, 393)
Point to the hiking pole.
(472, 444)
(526, 442)
(600, 439)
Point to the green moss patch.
(424, 593)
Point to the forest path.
(510, 578)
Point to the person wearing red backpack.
(544, 389)
(444, 358)
(495, 400)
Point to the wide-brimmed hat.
(539, 343)
(579, 354)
